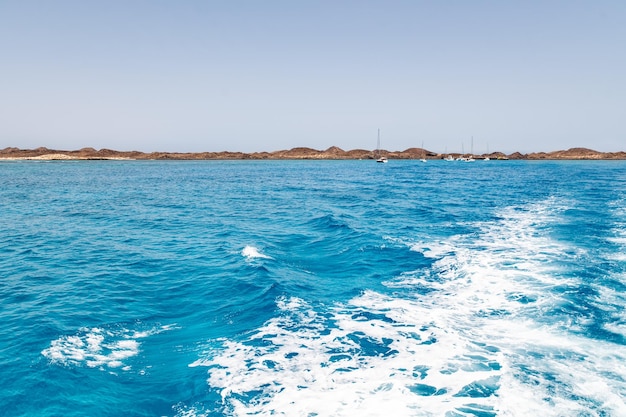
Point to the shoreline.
(332, 153)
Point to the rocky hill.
(294, 153)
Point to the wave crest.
(250, 252)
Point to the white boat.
(381, 159)
(423, 153)
(449, 158)
(462, 157)
(471, 155)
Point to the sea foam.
(470, 346)
(98, 347)
(250, 252)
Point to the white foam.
(618, 232)
(619, 239)
(250, 252)
(303, 371)
(479, 327)
(98, 348)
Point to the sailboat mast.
(377, 153)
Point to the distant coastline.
(332, 153)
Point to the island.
(332, 153)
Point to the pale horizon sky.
(193, 76)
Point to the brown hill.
(295, 153)
(576, 153)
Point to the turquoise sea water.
(313, 288)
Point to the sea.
(313, 288)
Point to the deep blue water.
(313, 288)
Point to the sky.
(253, 75)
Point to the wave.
(396, 358)
(251, 252)
(484, 340)
(327, 222)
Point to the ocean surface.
(313, 288)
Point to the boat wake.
(481, 333)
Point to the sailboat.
(462, 156)
(471, 157)
(381, 159)
(423, 153)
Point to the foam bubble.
(98, 347)
(250, 252)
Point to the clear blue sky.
(267, 75)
